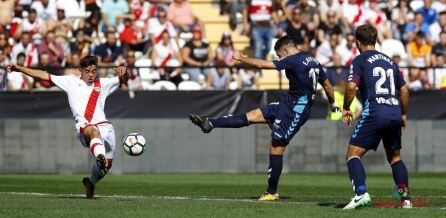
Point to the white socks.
(96, 147)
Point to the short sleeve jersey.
(379, 80)
(303, 72)
(81, 97)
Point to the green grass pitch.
(211, 195)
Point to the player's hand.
(120, 71)
(236, 56)
(403, 119)
(347, 117)
(11, 67)
(335, 108)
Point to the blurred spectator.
(53, 49)
(91, 28)
(46, 9)
(197, 56)
(45, 62)
(355, 107)
(377, 18)
(338, 71)
(109, 52)
(62, 29)
(3, 73)
(225, 50)
(326, 50)
(81, 45)
(294, 26)
(401, 15)
(33, 25)
(72, 65)
(328, 27)
(327, 6)
(26, 47)
(182, 16)
(440, 48)
(436, 28)
(248, 78)
(6, 12)
(91, 6)
(439, 6)
(402, 66)
(167, 57)
(134, 82)
(347, 50)
(309, 15)
(131, 37)
(4, 45)
(353, 15)
(419, 55)
(219, 78)
(258, 18)
(110, 10)
(437, 76)
(18, 81)
(73, 8)
(141, 10)
(157, 26)
(416, 25)
(428, 12)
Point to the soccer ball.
(134, 144)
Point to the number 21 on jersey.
(380, 84)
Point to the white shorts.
(107, 136)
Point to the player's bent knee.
(277, 147)
(393, 156)
(354, 151)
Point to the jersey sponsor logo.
(388, 101)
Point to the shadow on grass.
(331, 204)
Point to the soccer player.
(86, 96)
(286, 117)
(384, 115)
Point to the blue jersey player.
(285, 117)
(385, 98)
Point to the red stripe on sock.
(93, 146)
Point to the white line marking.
(198, 198)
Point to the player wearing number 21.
(285, 117)
(379, 80)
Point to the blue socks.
(274, 171)
(230, 121)
(401, 178)
(357, 175)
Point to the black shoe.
(202, 122)
(89, 188)
(102, 163)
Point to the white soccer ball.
(134, 144)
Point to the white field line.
(194, 198)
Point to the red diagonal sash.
(93, 100)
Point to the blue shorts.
(286, 117)
(369, 132)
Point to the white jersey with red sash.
(260, 10)
(86, 101)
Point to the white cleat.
(359, 201)
(406, 204)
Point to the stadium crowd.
(167, 38)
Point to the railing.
(279, 82)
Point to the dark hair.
(32, 10)
(420, 34)
(88, 61)
(284, 41)
(366, 34)
(21, 54)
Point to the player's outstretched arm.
(254, 62)
(38, 74)
(350, 91)
(404, 96)
(330, 95)
(122, 74)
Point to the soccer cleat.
(102, 163)
(359, 201)
(89, 188)
(269, 197)
(202, 122)
(406, 204)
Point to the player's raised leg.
(276, 151)
(357, 177)
(228, 121)
(93, 137)
(400, 176)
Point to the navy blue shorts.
(286, 117)
(369, 132)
